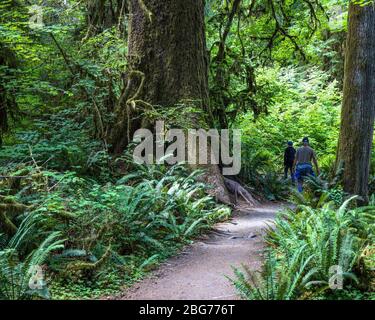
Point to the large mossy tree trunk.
(167, 43)
(168, 64)
(358, 110)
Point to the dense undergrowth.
(321, 249)
(92, 224)
(304, 102)
(95, 223)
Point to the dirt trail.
(199, 271)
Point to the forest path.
(199, 271)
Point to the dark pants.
(288, 167)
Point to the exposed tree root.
(235, 188)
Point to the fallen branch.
(88, 266)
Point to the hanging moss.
(9, 208)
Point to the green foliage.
(16, 274)
(117, 226)
(304, 245)
(276, 69)
(257, 34)
(306, 103)
(279, 282)
(317, 192)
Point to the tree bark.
(168, 45)
(8, 104)
(166, 60)
(168, 64)
(358, 110)
(104, 14)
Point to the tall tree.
(221, 83)
(103, 14)
(8, 64)
(168, 64)
(358, 110)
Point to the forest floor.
(199, 271)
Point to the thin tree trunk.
(358, 110)
(219, 60)
(8, 104)
(104, 14)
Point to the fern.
(307, 243)
(15, 274)
(278, 281)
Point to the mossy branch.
(133, 101)
(87, 266)
(10, 207)
(13, 208)
(140, 87)
(66, 215)
(6, 224)
(146, 10)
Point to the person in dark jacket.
(289, 156)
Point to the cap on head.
(290, 143)
(305, 140)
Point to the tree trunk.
(8, 104)
(358, 110)
(168, 64)
(104, 14)
(221, 81)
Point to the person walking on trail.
(303, 163)
(289, 155)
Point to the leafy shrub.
(304, 245)
(17, 272)
(276, 282)
(305, 103)
(142, 217)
